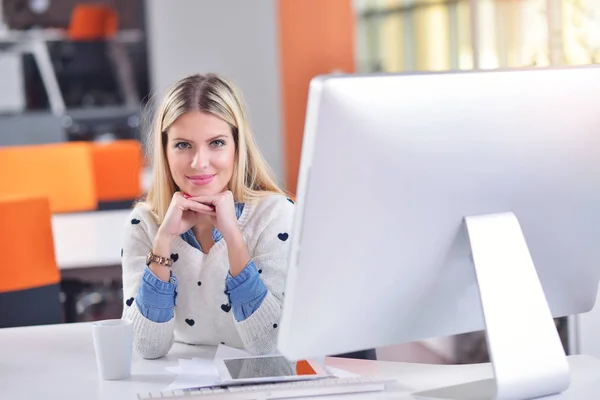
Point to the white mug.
(113, 342)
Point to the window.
(434, 35)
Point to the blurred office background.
(76, 78)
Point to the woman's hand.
(226, 222)
(224, 217)
(183, 214)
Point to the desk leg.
(41, 55)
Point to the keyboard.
(281, 390)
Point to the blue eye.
(217, 143)
(182, 145)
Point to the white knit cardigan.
(202, 312)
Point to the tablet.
(264, 369)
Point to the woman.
(204, 258)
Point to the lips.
(201, 180)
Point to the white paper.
(175, 370)
(192, 381)
(198, 366)
(194, 373)
(230, 352)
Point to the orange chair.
(92, 22)
(118, 169)
(29, 276)
(61, 172)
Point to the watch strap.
(164, 261)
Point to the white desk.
(90, 239)
(58, 362)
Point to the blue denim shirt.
(156, 298)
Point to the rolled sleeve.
(246, 292)
(156, 299)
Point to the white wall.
(235, 38)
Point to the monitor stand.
(526, 353)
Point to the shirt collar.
(190, 238)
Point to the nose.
(201, 159)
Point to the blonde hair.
(252, 177)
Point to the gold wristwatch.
(164, 261)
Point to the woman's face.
(201, 153)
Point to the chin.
(196, 191)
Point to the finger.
(197, 206)
(205, 199)
(180, 194)
(211, 214)
(177, 195)
(210, 201)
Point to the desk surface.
(13, 36)
(58, 362)
(88, 239)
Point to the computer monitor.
(424, 200)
